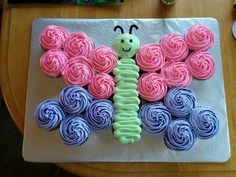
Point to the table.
(15, 46)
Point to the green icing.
(126, 101)
(126, 45)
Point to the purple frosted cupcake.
(155, 117)
(179, 135)
(180, 101)
(49, 114)
(74, 130)
(75, 99)
(204, 122)
(100, 114)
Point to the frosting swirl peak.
(49, 114)
(100, 114)
(204, 121)
(74, 130)
(179, 135)
(155, 117)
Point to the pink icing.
(53, 37)
(201, 65)
(199, 37)
(78, 71)
(103, 59)
(174, 47)
(176, 74)
(102, 86)
(52, 62)
(78, 44)
(152, 87)
(150, 57)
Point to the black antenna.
(131, 27)
(121, 29)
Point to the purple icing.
(49, 114)
(100, 114)
(179, 135)
(204, 122)
(155, 117)
(75, 99)
(180, 101)
(74, 130)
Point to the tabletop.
(15, 47)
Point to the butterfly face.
(126, 45)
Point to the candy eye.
(130, 40)
(122, 41)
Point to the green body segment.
(126, 101)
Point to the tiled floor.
(11, 162)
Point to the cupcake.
(78, 71)
(53, 37)
(74, 130)
(100, 114)
(176, 74)
(152, 87)
(199, 37)
(174, 47)
(179, 135)
(49, 114)
(201, 65)
(204, 122)
(180, 101)
(103, 59)
(78, 44)
(155, 117)
(75, 99)
(53, 62)
(102, 86)
(150, 57)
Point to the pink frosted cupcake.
(174, 47)
(199, 37)
(78, 44)
(152, 87)
(201, 65)
(103, 59)
(102, 86)
(176, 74)
(53, 37)
(53, 62)
(78, 71)
(150, 57)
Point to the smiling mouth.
(126, 50)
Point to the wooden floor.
(11, 162)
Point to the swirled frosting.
(78, 71)
(78, 44)
(199, 37)
(204, 121)
(100, 114)
(104, 59)
(201, 65)
(155, 117)
(180, 101)
(176, 74)
(102, 86)
(49, 114)
(74, 130)
(75, 99)
(150, 57)
(53, 37)
(174, 47)
(152, 87)
(53, 62)
(179, 135)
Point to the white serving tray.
(42, 146)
